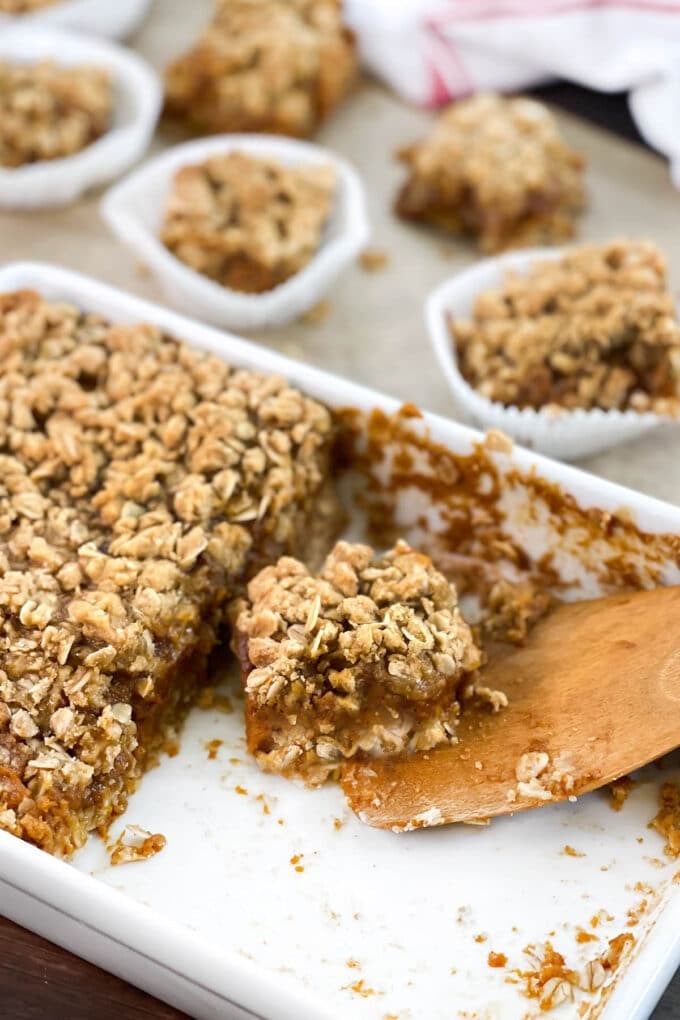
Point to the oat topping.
(248, 223)
(551, 982)
(48, 111)
(594, 328)
(495, 168)
(139, 480)
(264, 65)
(366, 656)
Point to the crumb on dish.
(497, 169)
(551, 982)
(667, 820)
(48, 111)
(619, 791)
(136, 844)
(594, 328)
(264, 65)
(248, 222)
(364, 658)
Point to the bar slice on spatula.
(366, 658)
(593, 694)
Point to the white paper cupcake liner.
(112, 19)
(566, 435)
(138, 97)
(135, 207)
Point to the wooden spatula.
(596, 688)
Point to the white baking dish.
(222, 925)
(137, 103)
(567, 435)
(113, 20)
(135, 207)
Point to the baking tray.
(221, 924)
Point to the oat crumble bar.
(497, 169)
(141, 482)
(365, 657)
(594, 328)
(264, 65)
(248, 223)
(49, 112)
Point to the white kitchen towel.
(434, 51)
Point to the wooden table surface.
(39, 981)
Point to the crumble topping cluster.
(594, 328)
(496, 168)
(264, 65)
(396, 610)
(246, 222)
(136, 475)
(48, 111)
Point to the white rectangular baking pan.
(377, 925)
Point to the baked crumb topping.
(264, 65)
(596, 327)
(139, 481)
(367, 656)
(49, 112)
(248, 223)
(495, 168)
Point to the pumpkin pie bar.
(49, 112)
(496, 169)
(366, 657)
(141, 483)
(264, 65)
(247, 223)
(596, 327)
